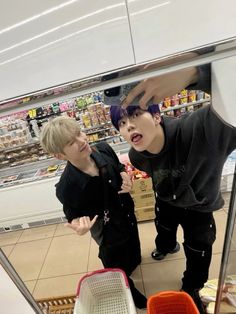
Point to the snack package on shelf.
(61, 168)
(85, 117)
(45, 172)
(175, 100)
(27, 176)
(183, 97)
(107, 113)
(94, 119)
(13, 132)
(52, 168)
(101, 116)
(81, 103)
(192, 96)
(8, 179)
(89, 99)
(200, 95)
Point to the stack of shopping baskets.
(107, 291)
(104, 291)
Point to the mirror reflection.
(136, 177)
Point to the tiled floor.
(52, 259)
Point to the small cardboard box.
(142, 185)
(145, 213)
(143, 199)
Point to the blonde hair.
(57, 133)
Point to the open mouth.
(136, 138)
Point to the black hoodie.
(187, 172)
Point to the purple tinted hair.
(117, 113)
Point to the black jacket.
(84, 195)
(187, 172)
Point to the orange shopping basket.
(171, 302)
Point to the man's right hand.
(167, 85)
(159, 87)
(81, 225)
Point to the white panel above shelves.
(48, 43)
(163, 27)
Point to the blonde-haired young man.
(94, 192)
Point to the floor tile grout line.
(48, 237)
(22, 231)
(38, 277)
(35, 228)
(59, 276)
(163, 261)
(56, 226)
(143, 280)
(11, 251)
(173, 259)
(42, 264)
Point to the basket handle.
(101, 271)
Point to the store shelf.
(105, 138)
(194, 103)
(26, 145)
(100, 130)
(96, 126)
(22, 171)
(13, 161)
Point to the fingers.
(92, 222)
(156, 99)
(147, 88)
(143, 102)
(68, 225)
(126, 183)
(125, 176)
(82, 225)
(125, 190)
(137, 90)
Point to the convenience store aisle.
(51, 259)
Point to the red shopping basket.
(104, 291)
(171, 302)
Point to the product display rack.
(45, 168)
(22, 163)
(189, 104)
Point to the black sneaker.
(158, 256)
(197, 300)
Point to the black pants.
(199, 235)
(125, 255)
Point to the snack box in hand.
(143, 199)
(145, 213)
(142, 185)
